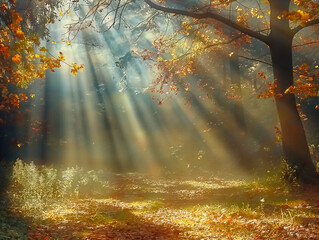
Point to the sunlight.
(105, 118)
(159, 119)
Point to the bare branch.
(256, 60)
(304, 44)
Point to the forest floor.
(141, 207)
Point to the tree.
(279, 41)
(287, 18)
(23, 59)
(284, 20)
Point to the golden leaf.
(43, 49)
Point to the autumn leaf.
(4, 7)
(75, 68)
(16, 58)
(43, 49)
(61, 56)
(3, 48)
(18, 18)
(35, 39)
(20, 34)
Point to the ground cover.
(96, 205)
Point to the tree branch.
(307, 24)
(211, 15)
(306, 43)
(257, 60)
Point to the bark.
(293, 134)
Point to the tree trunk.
(293, 134)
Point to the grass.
(77, 204)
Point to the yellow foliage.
(61, 56)
(31, 62)
(75, 68)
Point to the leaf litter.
(135, 206)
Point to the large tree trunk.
(293, 134)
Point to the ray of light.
(105, 117)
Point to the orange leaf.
(20, 34)
(16, 58)
(4, 7)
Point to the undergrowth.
(97, 202)
(34, 189)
